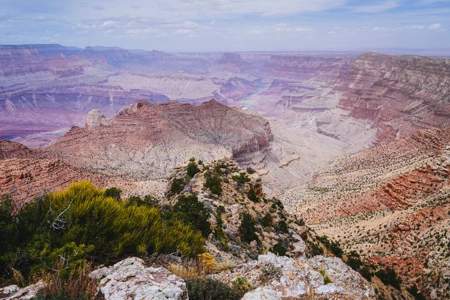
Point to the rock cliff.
(146, 141)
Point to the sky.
(229, 25)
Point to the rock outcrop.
(13, 150)
(147, 141)
(131, 279)
(13, 292)
(280, 277)
(235, 198)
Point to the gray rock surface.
(131, 279)
(13, 292)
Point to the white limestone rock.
(13, 292)
(130, 279)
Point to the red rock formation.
(13, 150)
(391, 203)
(23, 179)
(147, 141)
(399, 93)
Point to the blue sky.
(226, 25)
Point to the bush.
(219, 234)
(247, 229)
(192, 168)
(81, 223)
(281, 227)
(212, 182)
(177, 186)
(210, 289)
(266, 221)
(241, 179)
(280, 248)
(332, 246)
(193, 212)
(113, 192)
(241, 285)
(251, 194)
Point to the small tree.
(192, 168)
(212, 182)
(247, 229)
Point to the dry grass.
(204, 264)
(77, 285)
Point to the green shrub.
(241, 285)
(176, 186)
(212, 182)
(241, 179)
(113, 192)
(281, 227)
(82, 223)
(280, 248)
(247, 229)
(219, 234)
(266, 221)
(251, 194)
(193, 212)
(326, 278)
(332, 246)
(210, 289)
(192, 168)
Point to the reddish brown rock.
(401, 94)
(391, 203)
(13, 150)
(147, 141)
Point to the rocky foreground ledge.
(273, 278)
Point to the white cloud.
(435, 26)
(377, 8)
(283, 27)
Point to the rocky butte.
(146, 141)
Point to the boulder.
(13, 292)
(131, 279)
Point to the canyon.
(355, 144)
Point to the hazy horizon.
(217, 25)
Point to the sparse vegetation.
(241, 178)
(281, 227)
(113, 192)
(281, 247)
(192, 168)
(193, 212)
(247, 229)
(241, 285)
(332, 246)
(270, 272)
(210, 289)
(81, 224)
(212, 182)
(251, 194)
(177, 185)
